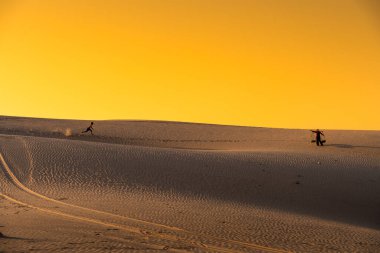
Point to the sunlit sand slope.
(148, 186)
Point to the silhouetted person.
(318, 139)
(89, 129)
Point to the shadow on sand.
(350, 146)
(2, 236)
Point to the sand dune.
(148, 186)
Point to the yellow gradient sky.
(276, 63)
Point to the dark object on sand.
(313, 141)
(318, 137)
(89, 129)
(2, 236)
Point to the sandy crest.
(148, 186)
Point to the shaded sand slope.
(205, 187)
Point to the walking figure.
(318, 138)
(89, 129)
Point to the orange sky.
(294, 63)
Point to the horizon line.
(184, 122)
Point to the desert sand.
(148, 186)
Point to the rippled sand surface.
(139, 186)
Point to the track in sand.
(156, 236)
